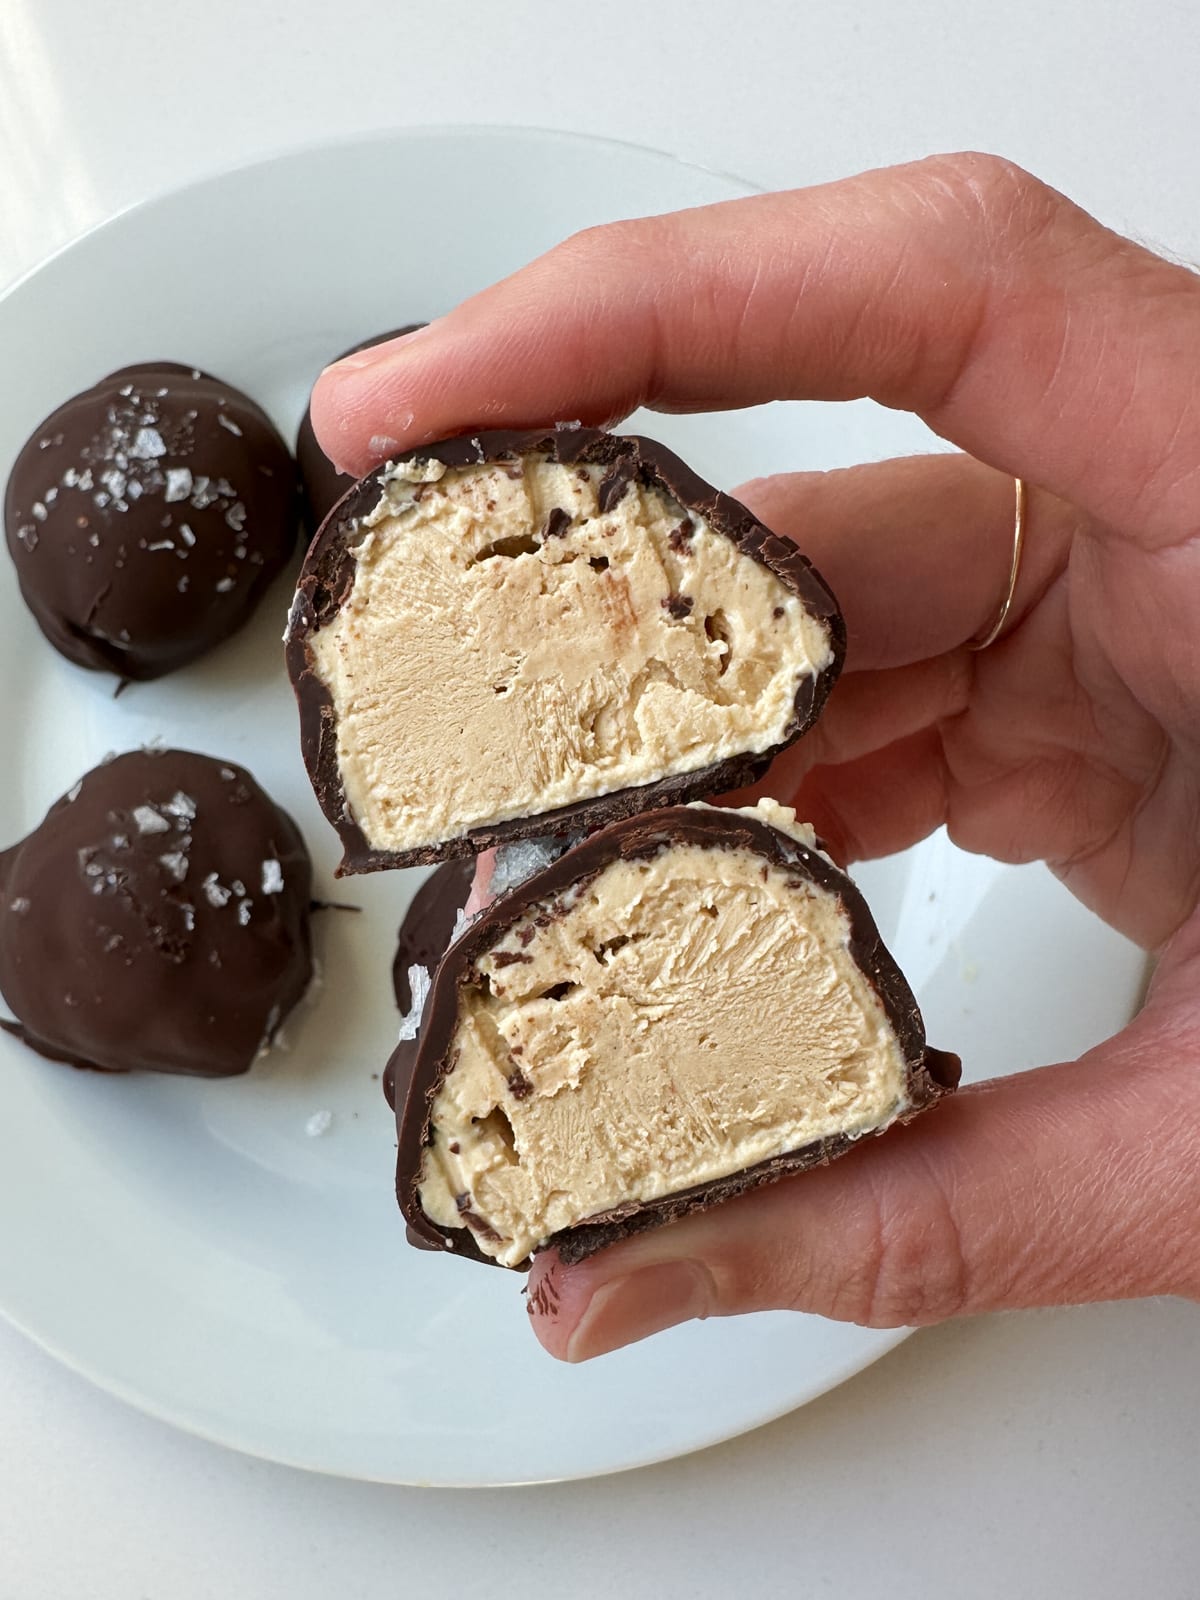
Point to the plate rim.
(887, 1340)
(363, 138)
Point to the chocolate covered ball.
(429, 924)
(427, 929)
(157, 919)
(147, 517)
(323, 484)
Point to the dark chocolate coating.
(328, 576)
(147, 516)
(931, 1073)
(321, 481)
(424, 934)
(157, 919)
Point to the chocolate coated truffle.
(429, 924)
(685, 1005)
(323, 484)
(427, 929)
(521, 634)
(146, 518)
(157, 919)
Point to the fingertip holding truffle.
(357, 399)
(324, 481)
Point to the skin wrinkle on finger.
(1132, 266)
(1122, 832)
(921, 1272)
(1162, 479)
(880, 803)
(869, 710)
(1141, 610)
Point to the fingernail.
(639, 1304)
(377, 352)
(356, 362)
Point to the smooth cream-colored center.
(508, 648)
(676, 1020)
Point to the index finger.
(959, 288)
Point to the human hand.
(1026, 334)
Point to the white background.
(1049, 1454)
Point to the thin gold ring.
(1018, 546)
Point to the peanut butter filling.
(674, 1020)
(509, 647)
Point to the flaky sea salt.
(215, 892)
(419, 984)
(179, 484)
(176, 864)
(149, 820)
(147, 445)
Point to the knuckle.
(592, 248)
(916, 1271)
(998, 198)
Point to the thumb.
(1073, 1183)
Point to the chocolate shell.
(427, 929)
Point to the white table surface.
(1041, 1454)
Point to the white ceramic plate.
(188, 1245)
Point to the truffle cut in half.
(515, 635)
(685, 1005)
